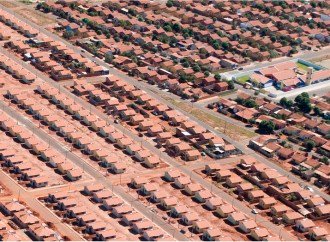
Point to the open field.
(233, 131)
(8, 4)
(35, 17)
(26, 9)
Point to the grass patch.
(242, 79)
(228, 92)
(302, 66)
(233, 131)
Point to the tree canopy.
(266, 127)
(286, 103)
(303, 102)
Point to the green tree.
(216, 45)
(325, 160)
(303, 102)
(250, 103)
(225, 45)
(251, 121)
(176, 27)
(206, 73)
(169, 3)
(313, 4)
(231, 84)
(317, 111)
(183, 78)
(196, 68)
(108, 57)
(185, 64)
(167, 28)
(203, 51)
(309, 145)
(266, 127)
(132, 12)
(125, 38)
(68, 34)
(311, 25)
(217, 76)
(286, 103)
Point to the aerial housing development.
(167, 120)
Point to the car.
(241, 68)
(272, 95)
(254, 211)
(309, 188)
(182, 231)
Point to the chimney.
(309, 76)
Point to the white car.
(254, 211)
(309, 188)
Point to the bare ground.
(28, 11)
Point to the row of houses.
(185, 130)
(27, 220)
(139, 33)
(16, 70)
(64, 63)
(145, 59)
(185, 213)
(85, 143)
(305, 166)
(93, 225)
(65, 129)
(24, 168)
(124, 212)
